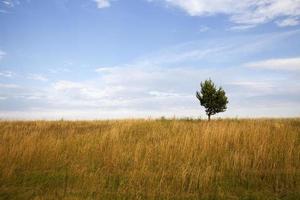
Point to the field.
(150, 159)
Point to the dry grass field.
(150, 159)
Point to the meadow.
(150, 159)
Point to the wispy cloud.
(288, 22)
(59, 70)
(66, 85)
(164, 83)
(253, 88)
(9, 86)
(10, 3)
(148, 86)
(6, 6)
(206, 51)
(277, 64)
(2, 54)
(130, 91)
(37, 77)
(204, 29)
(7, 74)
(3, 98)
(241, 27)
(104, 69)
(247, 12)
(81, 90)
(166, 94)
(4, 11)
(103, 3)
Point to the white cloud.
(247, 12)
(254, 88)
(9, 86)
(7, 74)
(288, 22)
(66, 85)
(59, 70)
(165, 94)
(37, 77)
(241, 27)
(149, 86)
(164, 83)
(7, 5)
(82, 91)
(10, 3)
(131, 91)
(2, 54)
(204, 29)
(277, 64)
(103, 3)
(3, 98)
(104, 69)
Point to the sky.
(105, 59)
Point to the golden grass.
(150, 159)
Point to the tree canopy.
(214, 100)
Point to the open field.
(150, 159)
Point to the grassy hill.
(150, 159)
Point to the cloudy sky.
(99, 59)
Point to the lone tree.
(214, 100)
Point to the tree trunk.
(208, 117)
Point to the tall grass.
(150, 159)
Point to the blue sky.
(98, 59)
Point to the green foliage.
(214, 100)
